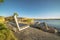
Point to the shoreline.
(45, 27)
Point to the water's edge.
(52, 23)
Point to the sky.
(31, 8)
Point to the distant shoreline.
(46, 19)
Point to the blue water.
(53, 23)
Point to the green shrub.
(5, 33)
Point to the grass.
(5, 33)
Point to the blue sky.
(31, 8)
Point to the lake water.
(53, 23)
